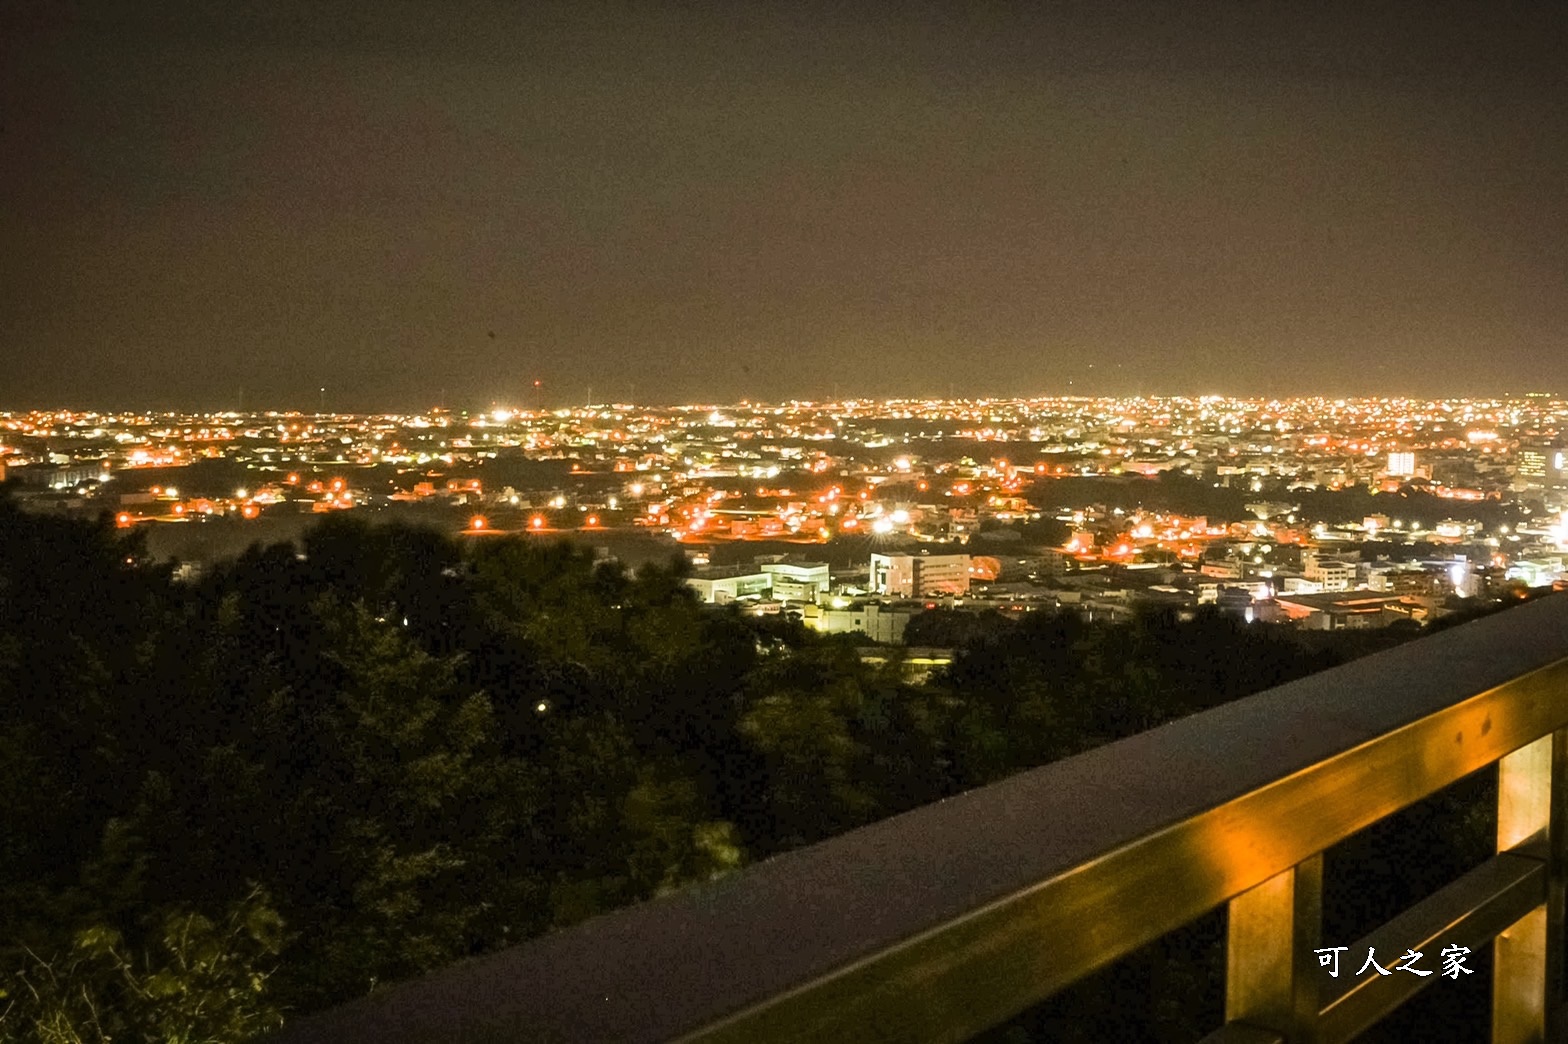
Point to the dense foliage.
(316, 770)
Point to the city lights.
(809, 473)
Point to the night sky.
(679, 202)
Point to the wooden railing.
(944, 921)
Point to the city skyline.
(777, 202)
(1277, 499)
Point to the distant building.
(915, 664)
(1532, 461)
(1050, 560)
(1267, 509)
(1537, 572)
(1544, 465)
(1236, 600)
(880, 623)
(1331, 570)
(1402, 463)
(1334, 611)
(1218, 593)
(1150, 467)
(721, 589)
(1557, 468)
(68, 476)
(1419, 583)
(919, 576)
(1227, 568)
(798, 581)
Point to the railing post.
(1527, 970)
(1271, 966)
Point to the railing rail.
(949, 919)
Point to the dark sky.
(704, 202)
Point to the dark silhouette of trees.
(322, 768)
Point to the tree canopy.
(322, 768)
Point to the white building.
(1536, 572)
(720, 590)
(1330, 570)
(1222, 569)
(879, 623)
(798, 581)
(919, 576)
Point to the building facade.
(798, 581)
(1331, 570)
(919, 576)
(720, 590)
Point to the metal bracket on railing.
(1273, 931)
(1527, 989)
